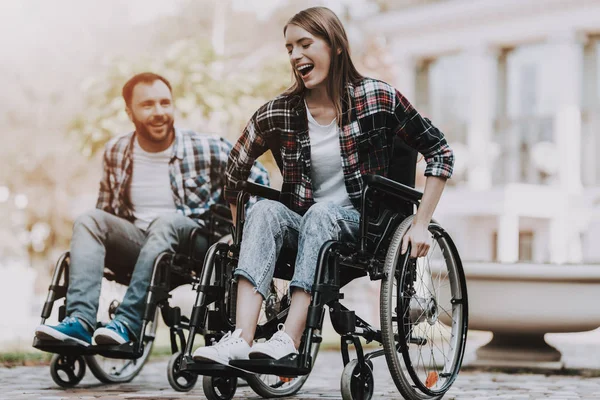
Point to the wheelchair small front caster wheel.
(182, 381)
(67, 371)
(219, 387)
(357, 384)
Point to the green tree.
(205, 87)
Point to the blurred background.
(514, 85)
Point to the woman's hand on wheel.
(419, 238)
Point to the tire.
(219, 388)
(349, 385)
(434, 315)
(113, 370)
(271, 386)
(67, 371)
(180, 381)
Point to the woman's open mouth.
(305, 69)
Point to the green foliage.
(15, 359)
(205, 87)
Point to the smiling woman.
(328, 131)
(320, 56)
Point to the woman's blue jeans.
(271, 226)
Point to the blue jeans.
(101, 239)
(271, 225)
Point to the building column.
(482, 64)
(559, 239)
(567, 67)
(508, 238)
(568, 70)
(404, 72)
(423, 86)
(591, 103)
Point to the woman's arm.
(247, 149)
(420, 134)
(418, 234)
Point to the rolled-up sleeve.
(419, 133)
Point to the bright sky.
(27, 25)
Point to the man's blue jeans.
(101, 239)
(271, 226)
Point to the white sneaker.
(279, 346)
(230, 347)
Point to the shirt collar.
(178, 145)
(298, 104)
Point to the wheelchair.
(122, 363)
(423, 302)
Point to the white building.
(515, 86)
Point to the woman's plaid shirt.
(196, 169)
(377, 113)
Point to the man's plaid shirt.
(196, 169)
(377, 113)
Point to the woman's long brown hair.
(323, 23)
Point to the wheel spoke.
(432, 324)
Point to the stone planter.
(520, 303)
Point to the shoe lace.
(280, 338)
(69, 321)
(225, 340)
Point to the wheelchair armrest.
(394, 188)
(258, 190)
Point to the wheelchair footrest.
(59, 347)
(208, 368)
(288, 366)
(123, 351)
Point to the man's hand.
(420, 239)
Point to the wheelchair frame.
(170, 270)
(364, 259)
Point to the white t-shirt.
(150, 190)
(326, 163)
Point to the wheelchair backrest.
(386, 212)
(402, 169)
(403, 165)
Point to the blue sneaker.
(115, 332)
(69, 330)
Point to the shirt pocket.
(292, 164)
(197, 191)
(374, 152)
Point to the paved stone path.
(324, 383)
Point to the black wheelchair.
(423, 302)
(122, 363)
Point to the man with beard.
(157, 185)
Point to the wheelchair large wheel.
(270, 386)
(424, 314)
(113, 370)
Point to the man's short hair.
(144, 77)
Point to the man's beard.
(142, 130)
